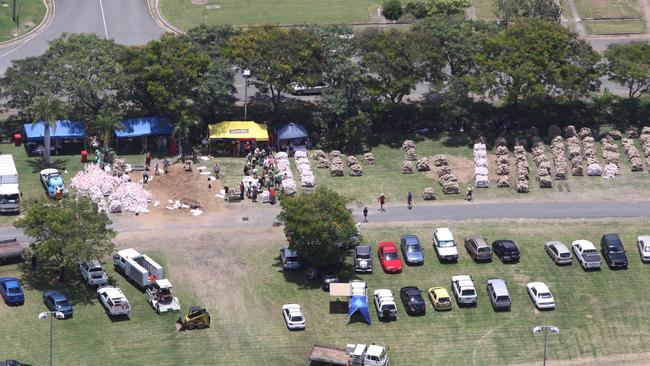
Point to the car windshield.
(413, 248)
(483, 250)
(13, 290)
(62, 303)
(545, 295)
(391, 256)
(390, 307)
(444, 299)
(565, 255)
(363, 256)
(468, 292)
(446, 243)
(296, 318)
(292, 259)
(95, 269)
(99, 274)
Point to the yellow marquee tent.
(240, 130)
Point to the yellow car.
(440, 298)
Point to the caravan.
(9, 191)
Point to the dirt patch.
(461, 167)
(521, 278)
(179, 184)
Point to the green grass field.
(239, 279)
(484, 9)
(608, 9)
(30, 12)
(615, 27)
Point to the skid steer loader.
(196, 318)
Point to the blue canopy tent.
(63, 130)
(359, 304)
(143, 127)
(291, 131)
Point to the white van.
(9, 191)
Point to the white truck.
(385, 304)
(138, 267)
(93, 273)
(464, 290)
(586, 253)
(445, 245)
(352, 355)
(114, 300)
(161, 296)
(9, 191)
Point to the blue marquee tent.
(144, 126)
(63, 130)
(292, 131)
(359, 304)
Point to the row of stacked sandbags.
(558, 154)
(502, 166)
(410, 153)
(633, 155)
(284, 167)
(589, 147)
(355, 167)
(448, 180)
(321, 159)
(645, 143)
(521, 163)
(543, 165)
(480, 166)
(575, 157)
(307, 178)
(336, 164)
(610, 155)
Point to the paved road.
(125, 21)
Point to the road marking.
(103, 19)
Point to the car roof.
(507, 243)
(92, 263)
(363, 249)
(585, 244)
(374, 350)
(11, 282)
(56, 295)
(644, 238)
(410, 239)
(440, 291)
(540, 286)
(480, 242)
(560, 246)
(410, 290)
(112, 292)
(499, 286)
(164, 283)
(389, 245)
(289, 252)
(611, 236)
(443, 233)
(49, 171)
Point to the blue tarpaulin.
(292, 131)
(359, 304)
(144, 126)
(63, 130)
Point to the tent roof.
(239, 130)
(64, 130)
(339, 289)
(359, 304)
(144, 126)
(292, 131)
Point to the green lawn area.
(484, 9)
(30, 12)
(608, 9)
(598, 313)
(615, 27)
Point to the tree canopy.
(314, 223)
(447, 7)
(629, 65)
(508, 11)
(23, 81)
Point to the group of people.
(260, 174)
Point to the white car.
(586, 254)
(445, 245)
(114, 300)
(93, 273)
(643, 243)
(293, 316)
(541, 295)
(299, 89)
(464, 290)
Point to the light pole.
(545, 328)
(247, 74)
(51, 315)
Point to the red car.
(389, 257)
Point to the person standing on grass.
(241, 190)
(409, 200)
(365, 214)
(217, 169)
(382, 200)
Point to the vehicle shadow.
(44, 277)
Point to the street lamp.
(545, 328)
(51, 315)
(247, 74)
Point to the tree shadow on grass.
(45, 277)
(38, 164)
(300, 277)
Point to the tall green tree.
(447, 7)
(67, 232)
(508, 11)
(46, 109)
(314, 223)
(629, 65)
(277, 58)
(536, 60)
(23, 81)
(106, 122)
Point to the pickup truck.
(114, 300)
(93, 273)
(10, 248)
(363, 259)
(385, 304)
(586, 253)
(53, 183)
(464, 290)
(161, 296)
(353, 354)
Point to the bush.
(418, 10)
(393, 9)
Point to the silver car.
(559, 252)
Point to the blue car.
(56, 301)
(411, 249)
(11, 292)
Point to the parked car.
(613, 251)
(497, 290)
(541, 295)
(464, 290)
(558, 252)
(53, 183)
(440, 298)
(12, 363)
(93, 273)
(412, 300)
(643, 243)
(478, 249)
(299, 89)
(11, 292)
(290, 259)
(506, 250)
(114, 300)
(411, 250)
(327, 277)
(363, 259)
(586, 254)
(56, 301)
(293, 316)
(385, 304)
(389, 257)
(445, 245)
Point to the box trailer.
(9, 190)
(138, 267)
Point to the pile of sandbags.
(480, 166)
(559, 158)
(352, 160)
(440, 160)
(543, 166)
(410, 153)
(588, 146)
(307, 178)
(570, 131)
(575, 156)
(632, 132)
(336, 166)
(503, 166)
(645, 143)
(335, 154)
(119, 167)
(521, 163)
(633, 155)
(615, 134)
(585, 132)
(423, 165)
(356, 170)
(110, 193)
(318, 154)
(288, 184)
(429, 194)
(610, 150)
(407, 167)
(368, 159)
(129, 197)
(611, 170)
(448, 180)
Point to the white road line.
(103, 19)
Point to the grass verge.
(608, 9)
(30, 14)
(615, 26)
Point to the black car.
(327, 277)
(613, 251)
(506, 250)
(413, 301)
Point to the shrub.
(393, 9)
(418, 10)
